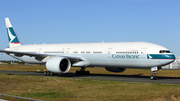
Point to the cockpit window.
(164, 51)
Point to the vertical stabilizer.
(12, 36)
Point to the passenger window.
(88, 52)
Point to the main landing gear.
(47, 73)
(82, 71)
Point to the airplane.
(113, 56)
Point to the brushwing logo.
(12, 36)
(149, 57)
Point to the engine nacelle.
(115, 69)
(58, 65)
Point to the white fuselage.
(119, 54)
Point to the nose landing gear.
(154, 69)
(153, 76)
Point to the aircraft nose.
(169, 58)
(173, 57)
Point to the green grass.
(58, 88)
(68, 89)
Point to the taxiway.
(125, 78)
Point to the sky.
(85, 21)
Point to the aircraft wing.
(40, 56)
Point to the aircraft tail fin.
(12, 36)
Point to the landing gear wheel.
(77, 72)
(45, 73)
(87, 72)
(153, 77)
(51, 74)
(48, 73)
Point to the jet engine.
(58, 65)
(115, 69)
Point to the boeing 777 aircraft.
(113, 56)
